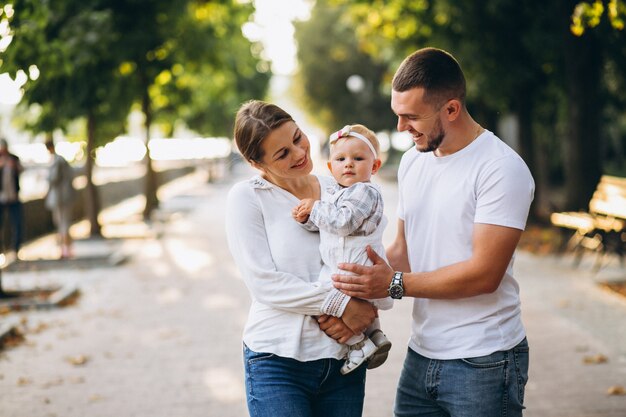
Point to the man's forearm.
(398, 258)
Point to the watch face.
(396, 291)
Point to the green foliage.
(565, 91)
(214, 69)
(589, 15)
(70, 43)
(188, 59)
(326, 63)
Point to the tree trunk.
(150, 185)
(582, 164)
(527, 146)
(92, 196)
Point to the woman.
(292, 368)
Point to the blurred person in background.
(60, 198)
(10, 170)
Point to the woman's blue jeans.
(487, 386)
(284, 387)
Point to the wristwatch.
(396, 288)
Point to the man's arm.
(493, 247)
(397, 253)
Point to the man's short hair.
(434, 70)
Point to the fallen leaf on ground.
(23, 381)
(595, 359)
(95, 397)
(77, 380)
(564, 303)
(41, 326)
(616, 390)
(78, 360)
(53, 383)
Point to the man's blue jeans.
(487, 386)
(284, 387)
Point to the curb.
(57, 299)
(113, 259)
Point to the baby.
(349, 217)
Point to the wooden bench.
(602, 229)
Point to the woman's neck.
(301, 187)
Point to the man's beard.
(434, 142)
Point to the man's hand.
(302, 211)
(368, 282)
(335, 328)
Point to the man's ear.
(377, 164)
(453, 109)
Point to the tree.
(179, 60)
(517, 60)
(178, 57)
(341, 83)
(215, 69)
(68, 45)
(604, 22)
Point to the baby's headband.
(346, 132)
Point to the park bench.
(603, 228)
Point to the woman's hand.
(335, 327)
(358, 315)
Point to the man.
(464, 197)
(10, 170)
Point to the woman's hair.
(254, 122)
(371, 136)
(434, 70)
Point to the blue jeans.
(487, 386)
(16, 217)
(284, 387)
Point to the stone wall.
(38, 219)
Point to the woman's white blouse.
(280, 263)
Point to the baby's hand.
(302, 211)
(295, 213)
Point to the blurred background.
(124, 83)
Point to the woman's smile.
(302, 163)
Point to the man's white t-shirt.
(441, 198)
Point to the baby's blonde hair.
(371, 136)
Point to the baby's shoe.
(383, 345)
(358, 354)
